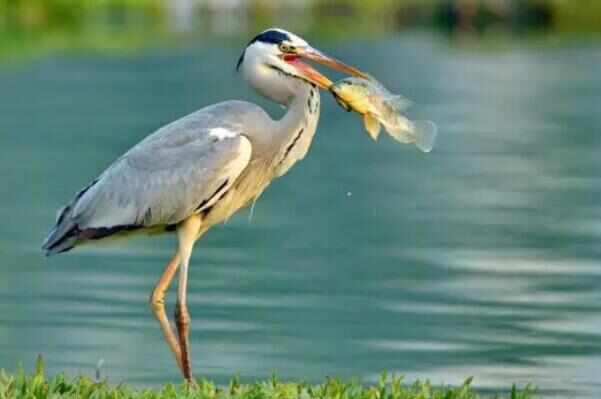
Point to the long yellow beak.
(314, 76)
(317, 56)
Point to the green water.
(480, 259)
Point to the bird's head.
(272, 63)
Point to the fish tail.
(425, 135)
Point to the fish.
(379, 106)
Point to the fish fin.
(425, 135)
(399, 103)
(372, 125)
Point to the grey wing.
(181, 169)
(163, 185)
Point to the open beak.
(314, 76)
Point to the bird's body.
(199, 170)
(212, 162)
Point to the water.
(479, 259)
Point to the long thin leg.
(188, 233)
(157, 304)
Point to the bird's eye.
(287, 48)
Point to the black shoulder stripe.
(219, 189)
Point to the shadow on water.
(480, 258)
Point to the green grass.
(36, 385)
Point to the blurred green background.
(30, 27)
(478, 259)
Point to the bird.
(197, 171)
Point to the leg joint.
(157, 300)
(182, 316)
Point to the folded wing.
(181, 169)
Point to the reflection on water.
(480, 258)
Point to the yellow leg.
(188, 232)
(182, 318)
(157, 304)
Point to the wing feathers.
(161, 181)
(137, 191)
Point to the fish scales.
(379, 106)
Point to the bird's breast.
(247, 187)
(266, 164)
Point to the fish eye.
(286, 48)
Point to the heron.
(199, 170)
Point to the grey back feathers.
(177, 171)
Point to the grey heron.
(198, 170)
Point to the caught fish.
(379, 107)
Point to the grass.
(20, 385)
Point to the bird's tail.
(63, 235)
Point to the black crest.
(269, 36)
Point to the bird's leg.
(157, 304)
(188, 232)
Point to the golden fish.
(379, 106)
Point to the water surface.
(481, 258)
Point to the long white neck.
(294, 132)
(303, 107)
